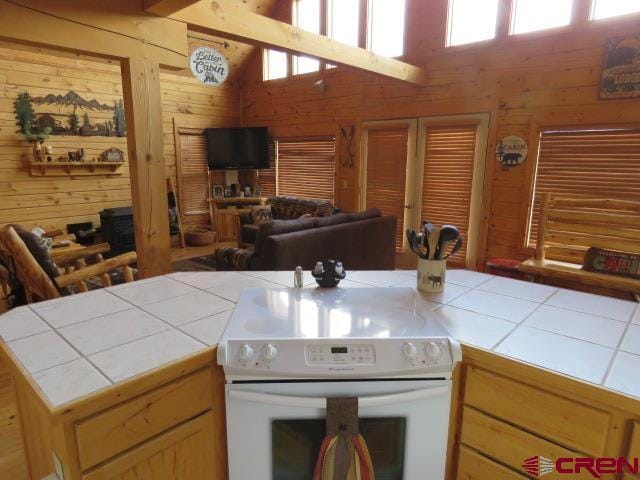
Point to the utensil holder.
(431, 275)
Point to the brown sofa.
(362, 241)
(284, 208)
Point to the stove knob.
(410, 350)
(269, 352)
(245, 353)
(433, 351)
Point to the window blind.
(193, 174)
(586, 163)
(386, 173)
(447, 179)
(267, 177)
(306, 168)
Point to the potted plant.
(25, 117)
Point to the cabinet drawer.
(508, 444)
(182, 453)
(113, 431)
(550, 416)
(473, 466)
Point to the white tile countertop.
(74, 346)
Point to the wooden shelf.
(248, 200)
(63, 169)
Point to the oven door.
(274, 430)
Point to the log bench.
(568, 227)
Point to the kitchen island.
(124, 379)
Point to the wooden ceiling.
(238, 54)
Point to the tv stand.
(225, 213)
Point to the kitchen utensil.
(448, 233)
(415, 244)
(455, 248)
(434, 237)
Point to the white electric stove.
(285, 351)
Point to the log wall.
(525, 82)
(54, 202)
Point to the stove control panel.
(327, 354)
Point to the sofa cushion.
(279, 227)
(41, 254)
(39, 251)
(332, 220)
(261, 214)
(368, 213)
(249, 233)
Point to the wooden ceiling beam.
(227, 19)
(106, 29)
(166, 7)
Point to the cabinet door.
(228, 226)
(182, 453)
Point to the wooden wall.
(543, 79)
(53, 202)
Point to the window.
(306, 15)
(275, 65)
(471, 21)
(267, 176)
(386, 27)
(306, 168)
(343, 23)
(193, 171)
(592, 163)
(344, 18)
(612, 8)
(449, 158)
(533, 15)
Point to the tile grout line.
(75, 349)
(517, 325)
(616, 352)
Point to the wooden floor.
(12, 460)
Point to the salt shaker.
(298, 278)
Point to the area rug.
(197, 264)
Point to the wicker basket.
(200, 236)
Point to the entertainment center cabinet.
(225, 214)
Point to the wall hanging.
(511, 151)
(621, 69)
(73, 116)
(209, 66)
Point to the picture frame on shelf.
(218, 191)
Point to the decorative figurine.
(329, 273)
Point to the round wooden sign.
(511, 151)
(209, 66)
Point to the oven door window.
(296, 444)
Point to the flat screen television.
(237, 148)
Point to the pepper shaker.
(298, 278)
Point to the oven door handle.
(321, 402)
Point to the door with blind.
(591, 163)
(428, 169)
(193, 171)
(388, 153)
(451, 172)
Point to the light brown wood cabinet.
(167, 424)
(181, 453)
(504, 412)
